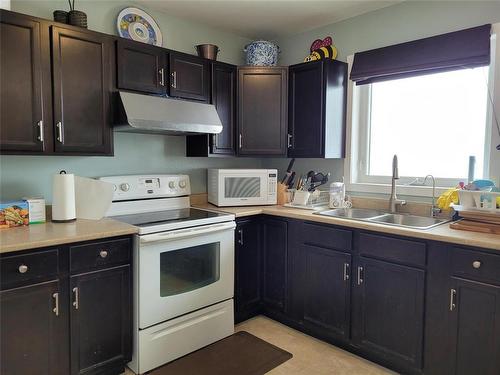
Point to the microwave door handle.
(185, 233)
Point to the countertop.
(441, 233)
(53, 234)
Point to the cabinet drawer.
(28, 268)
(102, 254)
(408, 252)
(476, 265)
(326, 236)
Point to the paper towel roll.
(63, 197)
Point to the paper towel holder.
(72, 215)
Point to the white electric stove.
(183, 268)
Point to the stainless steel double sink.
(380, 217)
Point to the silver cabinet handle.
(174, 79)
(56, 303)
(103, 253)
(240, 240)
(453, 295)
(360, 275)
(289, 142)
(346, 271)
(476, 264)
(162, 76)
(60, 132)
(76, 300)
(23, 268)
(241, 141)
(40, 130)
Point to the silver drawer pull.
(103, 253)
(360, 275)
(476, 264)
(346, 271)
(76, 301)
(23, 268)
(453, 296)
(56, 302)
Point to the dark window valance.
(468, 48)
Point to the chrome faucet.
(434, 209)
(393, 200)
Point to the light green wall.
(407, 21)
(134, 154)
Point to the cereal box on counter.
(14, 214)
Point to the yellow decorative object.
(328, 52)
(447, 198)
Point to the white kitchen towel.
(93, 198)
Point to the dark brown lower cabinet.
(326, 290)
(388, 316)
(100, 320)
(30, 326)
(247, 269)
(475, 327)
(55, 323)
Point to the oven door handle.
(185, 233)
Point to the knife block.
(283, 194)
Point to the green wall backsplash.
(134, 154)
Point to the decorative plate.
(136, 24)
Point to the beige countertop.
(53, 234)
(440, 233)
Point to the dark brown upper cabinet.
(141, 67)
(262, 111)
(224, 99)
(21, 84)
(82, 90)
(56, 85)
(317, 109)
(189, 77)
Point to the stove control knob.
(124, 187)
(114, 187)
(171, 184)
(182, 184)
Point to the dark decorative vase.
(77, 18)
(61, 16)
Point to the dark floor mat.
(238, 354)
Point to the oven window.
(189, 268)
(242, 187)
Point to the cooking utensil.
(290, 180)
(286, 178)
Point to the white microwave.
(242, 187)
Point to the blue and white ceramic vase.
(262, 53)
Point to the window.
(433, 123)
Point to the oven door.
(184, 270)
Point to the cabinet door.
(475, 327)
(274, 252)
(100, 320)
(389, 312)
(189, 77)
(326, 294)
(248, 267)
(306, 111)
(141, 67)
(30, 330)
(262, 111)
(20, 84)
(81, 85)
(224, 100)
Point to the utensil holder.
(301, 197)
(283, 194)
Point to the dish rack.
(315, 201)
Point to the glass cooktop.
(169, 216)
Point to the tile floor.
(310, 356)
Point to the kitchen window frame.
(357, 137)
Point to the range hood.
(160, 115)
